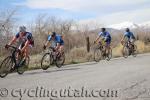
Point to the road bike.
(100, 52)
(52, 57)
(129, 49)
(14, 62)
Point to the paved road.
(118, 79)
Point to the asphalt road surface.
(117, 79)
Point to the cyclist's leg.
(20, 47)
(26, 52)
(61, 49)
(107, 47)
(132, 42)
(17, 55)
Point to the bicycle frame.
(52, 51)
(102, 46)
(13, 55)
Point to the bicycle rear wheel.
(97, 55)
(23, 66)
(60, 60)
(46, 61)
(109, 55)
(135, 52)
(6, 66)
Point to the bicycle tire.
(125, 52)
(44, 66)
(59, 65)
(135, 52)
(97, 55)
(109, 56)
(8, 68)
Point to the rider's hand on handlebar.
(6, 46)
(122, 42)
(44, 47)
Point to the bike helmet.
(22, 29)
(127, 30)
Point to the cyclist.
(106, 37)
(58, 42)
(25, 41)
(128, 37)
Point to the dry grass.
(117, 51)
(35, 61)
(141, 47)
(78, 55)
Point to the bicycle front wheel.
(6, 66)
(125, 52)
(97, 55)
(46, 61)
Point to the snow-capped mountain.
(124, 25)
(145, 25)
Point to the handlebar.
(13, 47)
(52, 48)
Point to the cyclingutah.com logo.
(50, 94)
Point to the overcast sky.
(102, 11)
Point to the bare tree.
(7, 23)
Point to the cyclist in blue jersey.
(106, 37)
(57, 40)
(128, 37)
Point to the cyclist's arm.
(97, 38)
(123, 37)
(47, 43)
(12, 41)
(132, 35)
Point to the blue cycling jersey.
(105, 35)
(129, 35)
(58, 39)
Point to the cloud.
(79, 5)
(137, 16)
(104, 11)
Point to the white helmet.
(22, 29)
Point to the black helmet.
(103, 29)
(127, 30)
(53, 34)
